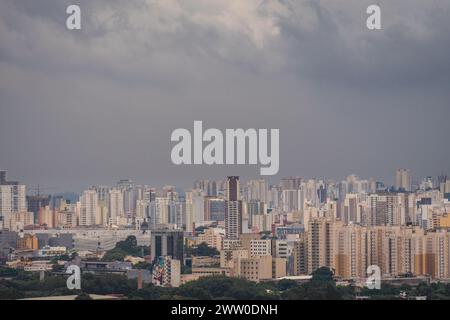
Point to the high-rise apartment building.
(300, 255)
(208, 187)
(195, 207)
(12, 199)
(115, 206)
(257, 190)
(320, 243)
(36, 202)
(403, 180)
(291, 183)
(383, 209)
(395, 250)
(352, 209)
(350, 251)
(293, 200)
(214, 209)
(88, 208)
(233, 209)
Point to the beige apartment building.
(18, 220)
(279, 267)
(300, 256)
(259, 268)
(320, 243)
(396, 250)
(253, 269)
(251, 257)
(260, 248)
(350, 251)
(212, 237)
(227, 257)
(434, 259)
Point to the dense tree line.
(21, 284)
(201, 250)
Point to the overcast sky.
(93, 106)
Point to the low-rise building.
(27, 242)
(48, 251)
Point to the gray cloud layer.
(94, 106)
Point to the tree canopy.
(127, 247)
(202, 250)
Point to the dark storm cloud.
(96, 105)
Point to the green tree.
(127, 247)
(115, 254)
(286, 284)
(203, 250)
(322, 274)
(321, 287)
(220, 286)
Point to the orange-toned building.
(28, 242)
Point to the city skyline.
(129, 204)
(224, 150)
(360, 233)
(413, 181)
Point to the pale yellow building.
(212, 237)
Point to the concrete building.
(18, 220)
(260, 248)
(27, 242)
(320, 243)
(12, 199)
(48, 251)
(213, 237)
(228, 256)
(300, 256)
(167, 242)
(233, 209)
(256, 191)
(36, 202)
(167, 272)
(253, 269)
(214, 209)
(403, 180)
(88, 208)
(115, 207)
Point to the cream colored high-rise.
(403, 179)
(396, 250)
(88, 208)
(12, 199)
(350, 250)
(320, 243)
(257, 190)
(435, 256)
(115, 206)
(352, 208)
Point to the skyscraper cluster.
(262, 230)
